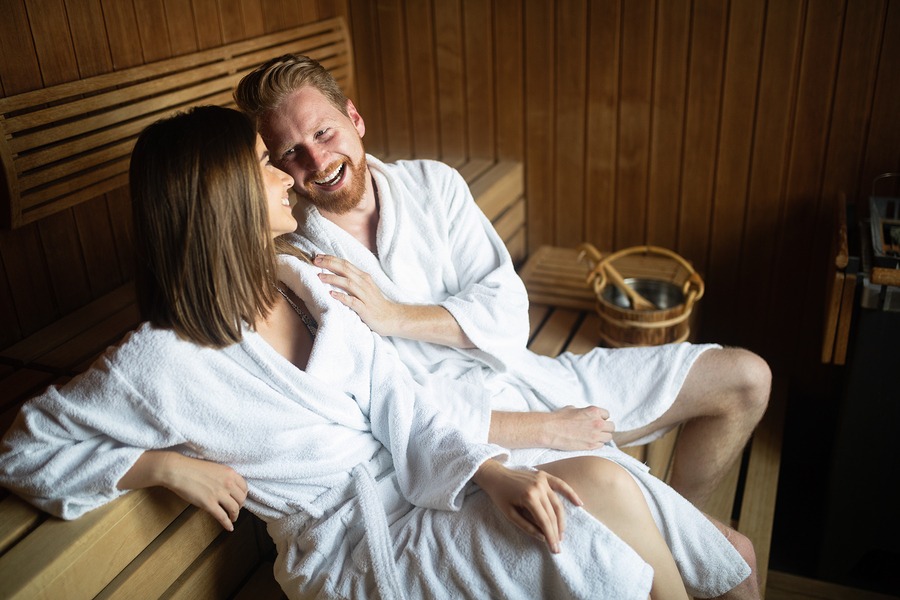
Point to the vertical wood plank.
(571, 85)
(180, 23)
(738, 114)
(539, 111)
(450, 78)
(232, 19)
(119, 207)
(479, 81)
(882, 150)
(209, 24)
(602, 122)
(634, 121)
(701, 129)
(367, 61)
(509, 84)
(673, 36)
(19, 72)
(797, 242)
(395, 77)
(64, 259)
(52, 41)
(152, 31)
(88, 37)
(252, 18)
(26, 272)
(121, 25)
(98, 245)
(777, 94)
(423, 81)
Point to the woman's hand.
(215, 488)
(528, 499)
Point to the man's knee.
(753, 380)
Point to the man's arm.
(568, 428)
(424, 322)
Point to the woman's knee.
(611, 478)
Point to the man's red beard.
(347, 197)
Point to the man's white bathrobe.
(435, 246)
(362, 480)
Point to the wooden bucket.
(656, 274)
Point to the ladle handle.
(638, 302)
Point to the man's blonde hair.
(266, 87)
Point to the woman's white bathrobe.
(362, 481)
(435, 246)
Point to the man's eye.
(321, 133)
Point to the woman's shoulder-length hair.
(203, 260)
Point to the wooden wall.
(718, 128)
(721, 129)
(56, 265)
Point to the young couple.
(250, 385)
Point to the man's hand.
(568, 428)
(361, 294)
(424, 322)
(215, 488)
(529, 500)
(571, 428)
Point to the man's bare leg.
(723, 398)
(749, 588)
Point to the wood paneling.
(54, 266)
(720, 128)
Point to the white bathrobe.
(361, 479)
(435, 246)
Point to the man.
(421, 265)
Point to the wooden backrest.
(68, 143)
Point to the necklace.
(310, 323)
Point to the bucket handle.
(692, 289)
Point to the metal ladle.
(638, 302)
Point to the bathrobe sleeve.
(69, 447)
(491, 305)
(432, 458)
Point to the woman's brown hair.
(204, 260)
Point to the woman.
(363, 483)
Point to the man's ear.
(356, 118)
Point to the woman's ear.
(356, 118)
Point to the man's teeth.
(331, 178)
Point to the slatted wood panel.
(71, 142)
(54, 266)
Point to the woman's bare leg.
(612, 496)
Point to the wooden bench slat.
(552, 337)
(162, 562)
(17, 517)
(66, 328)
(496, 189)
(78, 558)
(512, 221)
(761, 484)
(77, 353)
(222, 567)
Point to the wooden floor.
(784, 586)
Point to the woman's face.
(276, 183)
